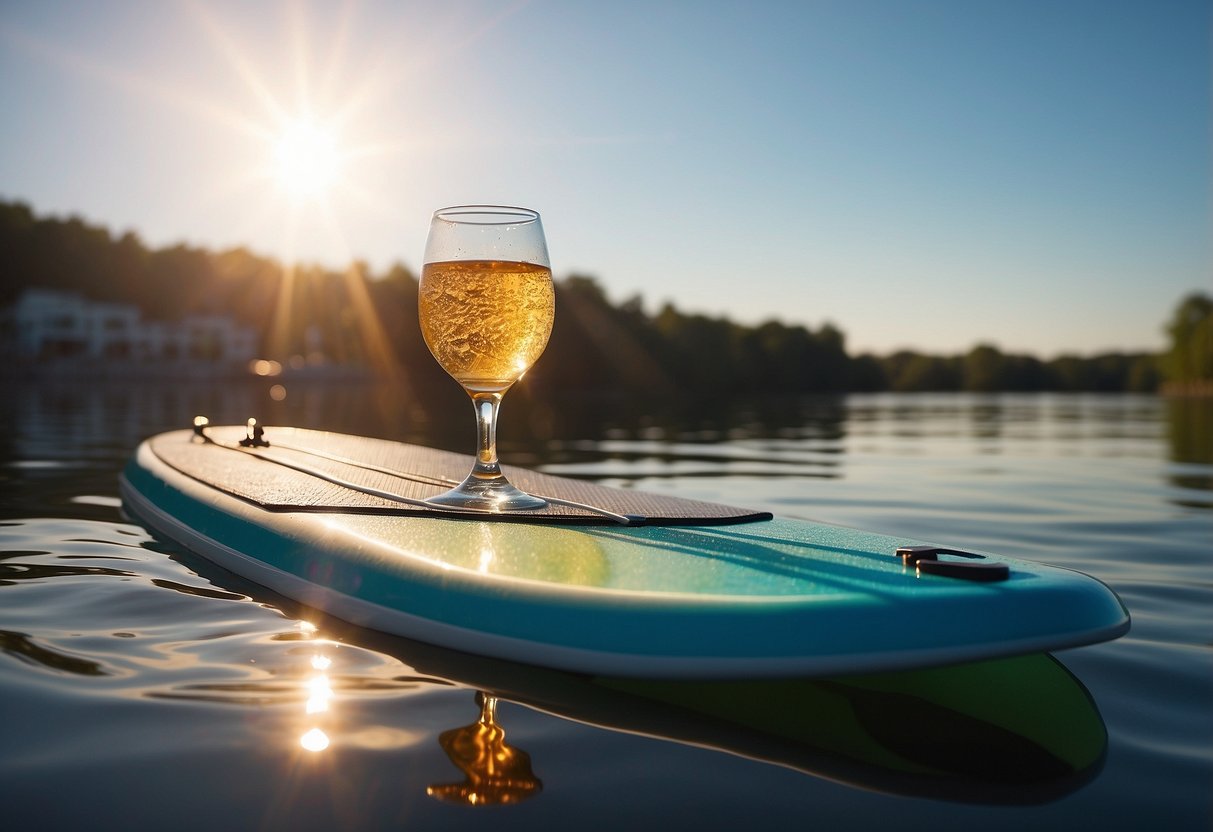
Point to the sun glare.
(306, 159)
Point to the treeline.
(598, 348)
(985, 368)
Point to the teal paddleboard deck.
(651, 587)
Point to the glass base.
(488, 494)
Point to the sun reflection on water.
(319, 692)
(314, 740)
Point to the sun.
(307, 161)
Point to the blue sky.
(922, 174)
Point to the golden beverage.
(486, 321)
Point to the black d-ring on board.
(926, 560)
(254, 436)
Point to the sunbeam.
(238, 62)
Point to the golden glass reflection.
(494, 773)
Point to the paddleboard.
(1012, 731)
(604, 582)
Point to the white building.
(45, 325)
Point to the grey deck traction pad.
(254, 477)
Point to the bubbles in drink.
(486, 321)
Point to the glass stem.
(488, 708)
(486, 405)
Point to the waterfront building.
(49, 326)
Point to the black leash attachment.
(926, 560)
(254, 434)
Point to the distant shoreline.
(184, 372)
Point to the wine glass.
(486, 307)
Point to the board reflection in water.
(1015, 731)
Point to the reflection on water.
(1190, 437)
(12, 570)
(494, 773)
(55, 425)
(25, 648)
(319, 694)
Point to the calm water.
(145, 689)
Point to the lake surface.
(141, 688)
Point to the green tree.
(984, 369)
(909, 371)
(866, 374)
(1144, 374)
(1190, 357)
